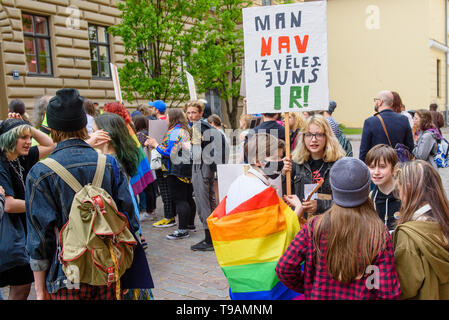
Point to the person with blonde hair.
(421, 239)
(296, 121)
(312, 160)
(347, 251)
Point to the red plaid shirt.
(317, 284)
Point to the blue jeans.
(1, 297)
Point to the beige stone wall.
(69, 46)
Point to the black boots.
(204, 245)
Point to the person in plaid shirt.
(327, 245)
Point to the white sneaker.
(144, 216)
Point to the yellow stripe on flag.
(258, 250)
(249, 251)
(248, 224)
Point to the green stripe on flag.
(252, 277)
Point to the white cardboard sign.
(286, 64)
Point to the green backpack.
(96, 241)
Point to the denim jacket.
(48, 201)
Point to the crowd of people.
(346, 221)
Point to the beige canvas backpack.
(96, 241)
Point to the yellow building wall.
(377, 45)
(437, 33)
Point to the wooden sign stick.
(315, 189)
(288, 184)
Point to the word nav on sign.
(284, 43)
(279, 21)
(296, 93)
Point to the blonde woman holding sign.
(315, 153)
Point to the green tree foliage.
(156, 35)
(216, 62)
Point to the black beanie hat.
(9, 124)
(65, 111)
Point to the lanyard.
(259, 175)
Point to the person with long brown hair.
(175, 151)
(399, 107)
(347, 251)
(426, 145)
(421, 239)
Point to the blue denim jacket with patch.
(48, 200)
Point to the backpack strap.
(99, 173)
(63, 173)
(385, 129)
(68, 178)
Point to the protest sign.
(116, 82)
(286, 57)
(157, 129)
(191, 85)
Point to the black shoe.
(202, 246)
(191, 228)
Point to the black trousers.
(182, 197)
(164, 190)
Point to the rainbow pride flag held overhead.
(248, 243)
(144, 175)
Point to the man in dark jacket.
(396, 124)
(270, 126)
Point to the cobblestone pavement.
(182, 274)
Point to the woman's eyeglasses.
(318, 136)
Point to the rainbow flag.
(144, 174)
(248, 243)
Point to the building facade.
(50, 44)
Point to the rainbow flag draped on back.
(248, 243)
(144, 176)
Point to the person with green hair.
(17, 156)
(123, 147)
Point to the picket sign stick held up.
(116, 82)
(288, 184)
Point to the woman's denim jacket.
(48, 200)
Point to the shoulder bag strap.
(385, 129)
(63, 173)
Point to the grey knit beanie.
(350, 182)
